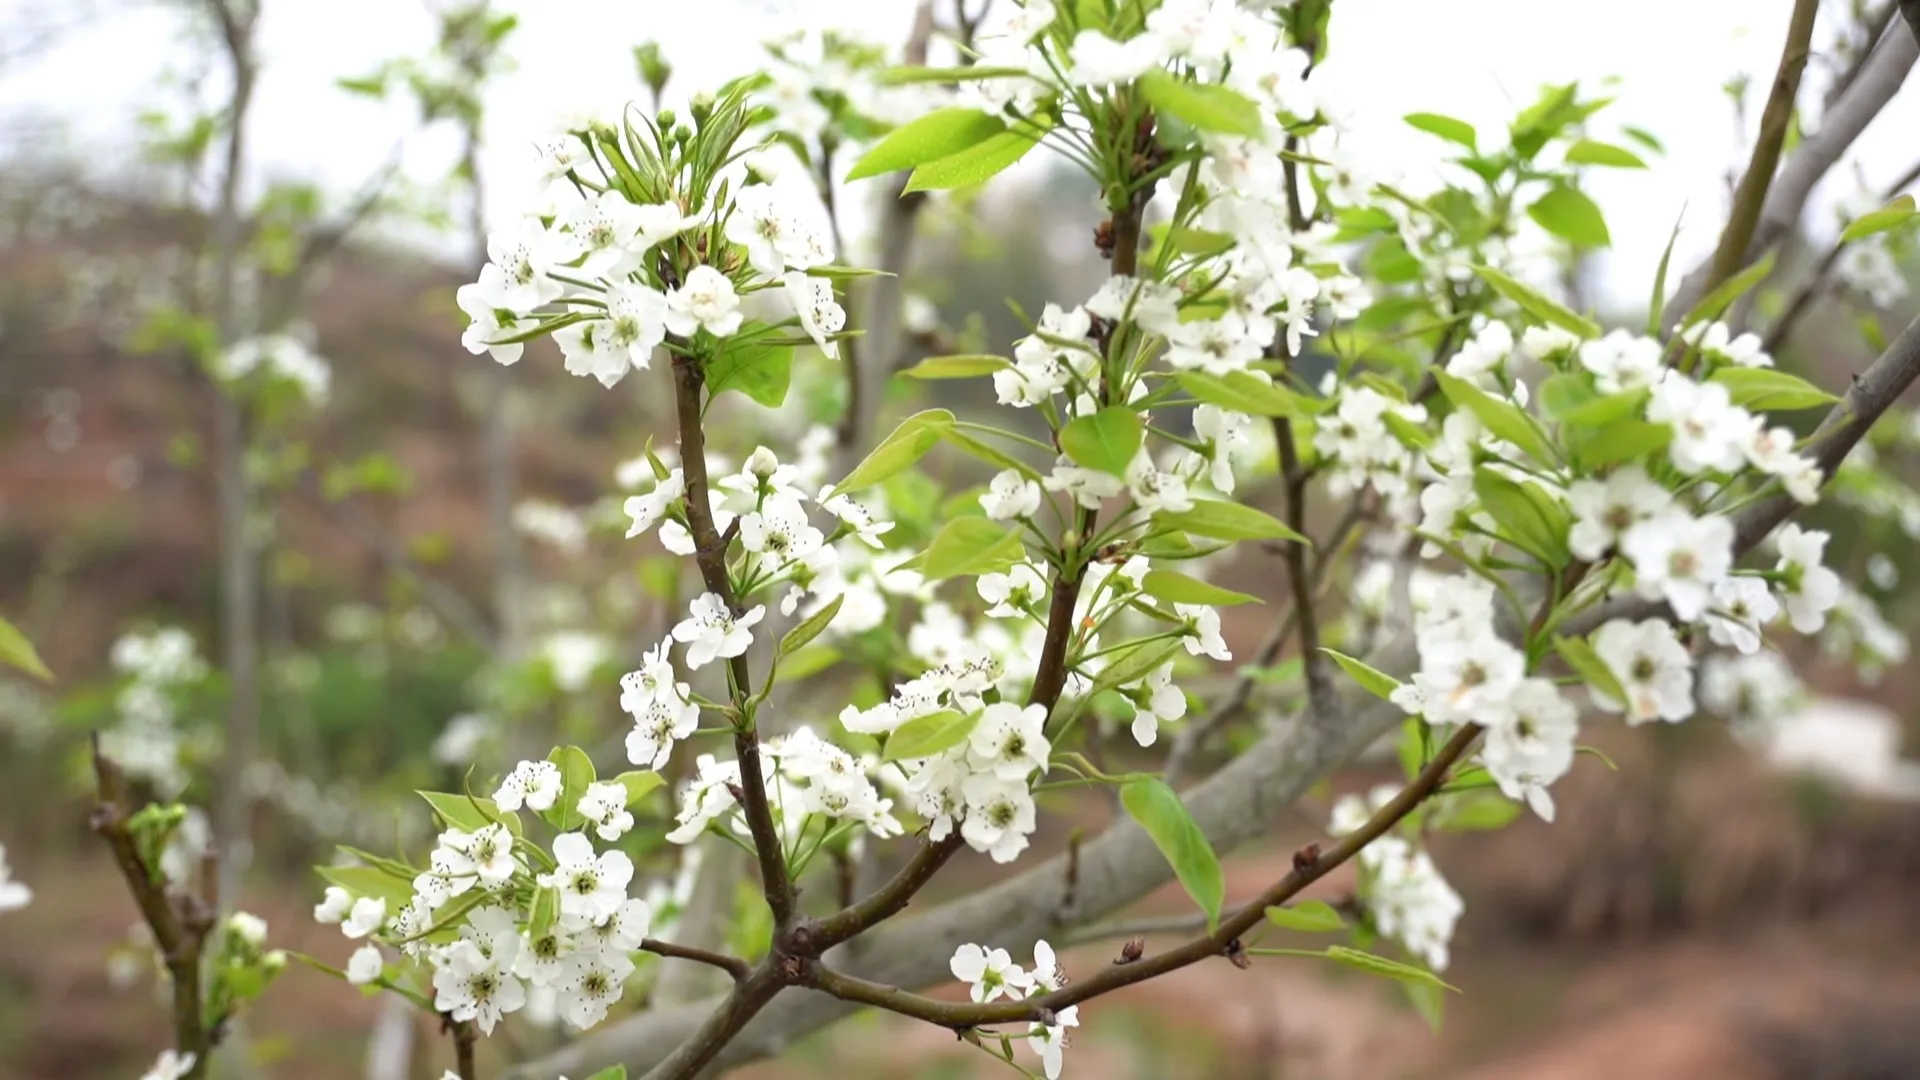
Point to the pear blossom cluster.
(1407, 899)
(992, 973)
(146, 740)
(14, 894)
(610, 277)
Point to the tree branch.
(710, 551)
(732, 965)
(1886, 69)
(1731, 253)
(464, 1038)
(1816, 281)
(180, 922)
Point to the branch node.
(1134, 949)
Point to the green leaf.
(897, 453)
(1527, 517)
(1448, 128)
(1135, 664)
(1307, 916)
(1190, 241)
(1770, 390)
(1428, 1001)
(811, 660)
(938, 134)
(546, 911)
(1715, 303)
(1223, 520)
(967, 366)
(1621, 440)
(576, 772)
(970, 546)
(1504, 419)
(1564, 393)
(1410, 434)
(925, 736)
(1481, 812)
(1608, 408)
(639, 784)
(1537, 305)
(1380, 965)
(809, 628)
(1160, 812)
(1891, 216)
(1657, 303)
(1586, 663)
(1570, 215)
(759, 370)
(988, 453)
(368, 881)
(1371, 679)
(1177, 588)
(977, 164)
(1644, 138)
(16, 650)
(1205, 106)
(1243, 391)
(470, 813)
(1589, 152)
(1106, 441)
(611, 1072)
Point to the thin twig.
(464, 1038)
(732, 965)
(1817, 282)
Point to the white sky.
(1476, 59)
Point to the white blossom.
(1652, 667)
(712, 631)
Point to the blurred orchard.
(1029, 537)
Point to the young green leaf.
(639, 784)
(759, 370)
(1480, 812)
(1371, 679)
(1657, 302)
(1770, 389)
(576, 773)
(1586, 663)
(1537, 305)
(1133, 664)
(1106, 441)
(1504, 419)
(1228, 521)
(977, 164)
(1243, 391)
(1608, 408)
(1589, 152)
(1177, 588)
(1205, 106)
(810, 627)
(1562, 393)
(925, 736)
(546, 912)
(903, 76)
(17, 651)
(1448, 128)
(809, 661)
(986, 452)
(969, 546)
(1570, 215)
(938, 134)
(1891, 216)
(1161, 813)
(1380, 965)
(1527, 517)
(897, 453)
(1715, 303)
(367, 881)
(611, 1072)
(1307, 916)
(470, 813)
(967, 366)
(1618, 441)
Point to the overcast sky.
(1476, 59)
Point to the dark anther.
(1237, 953)
(1103, 238)
(1306, 858)
(1133, 950)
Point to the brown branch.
(963, 1015)
(1817, 282)
(1910, 10)
(1731, 252)
(710, 552)
(732, 965)
(464, 1038)
(180, 921)
(748, 997)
